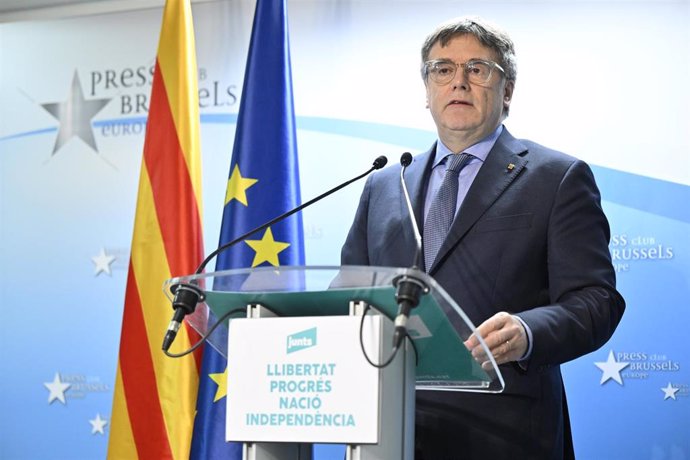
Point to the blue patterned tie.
(442, 210)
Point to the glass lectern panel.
(438, 326)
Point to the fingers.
(487, 328)
(504, 336)
(502, 353)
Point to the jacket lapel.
(503, 164)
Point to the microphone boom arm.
(187, 296)
(379, 163)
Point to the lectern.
(311, 357)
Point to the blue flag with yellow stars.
(263, 183)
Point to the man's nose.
(460, 80)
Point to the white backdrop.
(604, 81)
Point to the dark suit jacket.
(531, 239)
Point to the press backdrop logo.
(301, 340)
(621, 366)
(127, 90)
(74, 386)
(628, 250)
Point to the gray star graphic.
(75, 116)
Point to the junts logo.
(301, 340)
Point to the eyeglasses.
(477, 71)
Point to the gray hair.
(488, 35)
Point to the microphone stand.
(409, 288)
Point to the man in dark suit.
(525, 255)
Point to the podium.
(311, 357)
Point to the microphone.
(187, 296)
(408, 287)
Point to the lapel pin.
(511, 166)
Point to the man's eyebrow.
(468, 60)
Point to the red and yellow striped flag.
(155, 396)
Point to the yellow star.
(267, 249)
(222, 382)
(237, 186)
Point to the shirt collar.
(479, 150)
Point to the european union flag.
(263, 183)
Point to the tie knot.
(457, 161)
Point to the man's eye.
(474, 69)
(444, 69)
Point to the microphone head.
(380, 162)
(406, 159)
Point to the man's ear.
(508, 94)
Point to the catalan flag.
(155, 396)
(263, 183)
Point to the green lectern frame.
(435, 360)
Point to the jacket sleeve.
(586, 307)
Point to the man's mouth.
(459, 102)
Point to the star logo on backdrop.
(611, 369)
(75, 115)
(98, 424)
(670, 392)
(237, 186)
(57, 389)
(267, 249)
(102, 262)
(222, 382)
